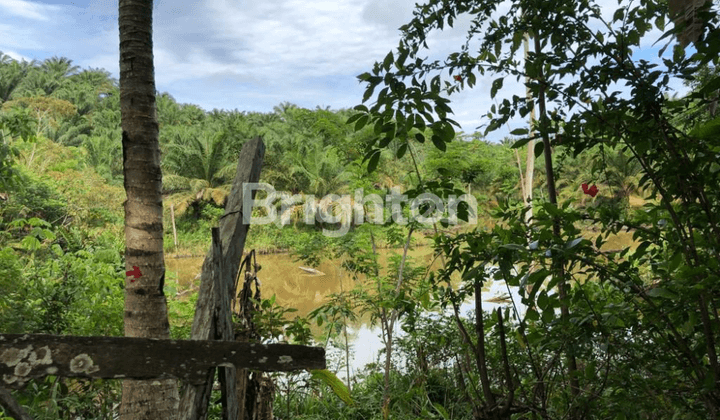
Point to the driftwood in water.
(312, 271)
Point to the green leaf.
(619, 14)
(542, 300)
(675, 262)
(438, 142)
(548, 315)
(373, 160)
(519, 132)
(521, 142)
(353, 118)
(420, 137)
(641, 249)
(388, 61)
(445, 131)
(590, 370)
(57, 250)
(402, 57)
(710, 87)
(573, 243)
(660, 22)
(329, 379)
(442, 411)
(497, 84)
(368, 93)
(402, 150)
(30, 243)
(539, 148)
(710, 129)
(361, 122)
(661, 292)
(514, 247)
(471, 79)
(552, 209)
(532, 315)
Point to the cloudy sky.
(242, 54)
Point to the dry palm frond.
(686, 15)
(190, 191)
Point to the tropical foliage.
(589, 329)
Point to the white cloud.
(27, 9)
(16, 56)
(246, 54)
(16, 37)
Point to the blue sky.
(245, 54)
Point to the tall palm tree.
(145, 304)
(37, 82)
(198, 168)
(84, 89)
(12, 74)
(168, 110)
(104, 153)
(59, 66)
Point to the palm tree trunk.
(145, 303)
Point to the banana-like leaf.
(331, 380)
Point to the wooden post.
(172, 218)
(233, 232)
(223, 323)
(12, 407)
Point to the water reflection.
(281, 275)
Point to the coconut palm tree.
(145, 304)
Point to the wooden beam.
(194, 398)
(12, 407)
(232, 234)
(224, 328)
(33, 356)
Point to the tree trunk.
(530, 163)
(145, 303)
(558, 263)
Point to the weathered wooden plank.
(223, 325)
(12, 407)
(26, 356)
(232, 233)
(194, 398)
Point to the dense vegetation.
(607, 333)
